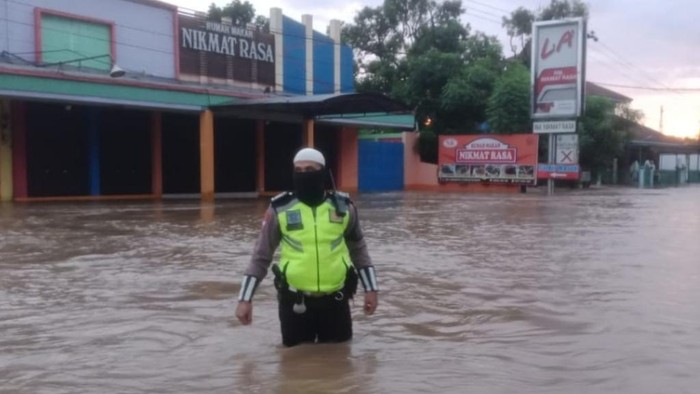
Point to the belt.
(317, 294)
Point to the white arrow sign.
(557, 175)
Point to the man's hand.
(244, 312)
(371, 301)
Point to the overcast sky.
(651, 45)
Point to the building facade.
(117, 99)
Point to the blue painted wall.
(347, 76)
(93, 126)
(323, 64)
(380, 166)
(294, 56)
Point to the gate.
(380, 166)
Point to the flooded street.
(592, 291)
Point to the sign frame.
(564, 172)
(554, 126)
(540, 87)
(563, 146)
(509, 159)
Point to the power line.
(125, 26)
(87, 36)
(482, 18)
(324, 39)
(287, 77)
(634, 66)
(488, 13)
(667, 89)
(489, 6)
(615, 65)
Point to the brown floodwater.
(587, 291)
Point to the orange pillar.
(157, 154)
(5, 153)
(308, 137)
(206, 155)
(260, 155)
(349, 151)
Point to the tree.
(241, 13)
(519, 24)
(603, 134)
(560, 9)
(386, 33)
(509, 105)
(419, 52)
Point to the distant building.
(647, 144)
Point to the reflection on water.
(587, 291)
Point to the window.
(70, 40)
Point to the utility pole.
(661, 120)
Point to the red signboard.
(488, 158)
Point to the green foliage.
(465, 97)
(519, 24)
(241, 13)
(449, 37)
(419, 52)
(428, 146)
(560, 9)
(509, 105)
(602, 134)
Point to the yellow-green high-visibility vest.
(313, 253)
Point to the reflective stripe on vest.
(313, 253)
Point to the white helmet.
(310, 154)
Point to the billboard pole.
(551, 159)
(557, 86)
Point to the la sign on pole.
(557, 69)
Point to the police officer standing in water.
(322, 254)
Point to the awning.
(72, 91)
(405, 122)
(319, 107)
(665, 146)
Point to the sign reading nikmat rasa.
(226, 52)
(488, 158)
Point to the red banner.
(488, 158)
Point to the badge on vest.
(294, 220)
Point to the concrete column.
(308, 130)
(308, 22)
(260, 155)
(93, 120)
(5, 152)
(18, 116)
(335, 29)
(157, 154)
(348, 179)
(276, 28)
(206, 155)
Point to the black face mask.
(310, 186)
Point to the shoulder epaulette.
(343, 195)
(341, 200)
(281, 199)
